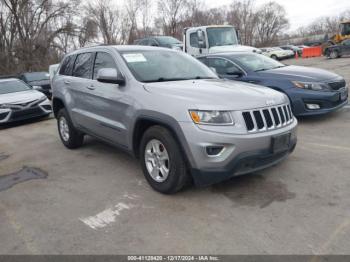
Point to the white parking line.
(105, 217)
(342, 148)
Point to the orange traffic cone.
(296, 55)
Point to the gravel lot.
(301, 206)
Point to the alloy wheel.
(157, 160)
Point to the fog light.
(214, 150)
(313, 106)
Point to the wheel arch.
(145, 121)
(57, 104)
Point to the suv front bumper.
(241, 154)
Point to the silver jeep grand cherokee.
(172, 112)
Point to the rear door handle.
(67, 82)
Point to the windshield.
(256, 62)
(168, 40)
(220, 36)
(37, 76)
(13, 86)
(157, 66)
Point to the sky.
(300, 12)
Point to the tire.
(333, 54)
(158, 140)
(274, 57)
(70, 136)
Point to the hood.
(217, 94)
(301, 73)
(21, 97)
(233, 48)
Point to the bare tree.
(37, 24)
(241, 14)
(271, 21)
(102, 19)
(132, 7)
(8, 34)
(171, 12)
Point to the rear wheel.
(162, 161)
(274, 57)
(334, 54)
(69, 135)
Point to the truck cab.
(213, 39)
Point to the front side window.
(67, 65)
(256, 62)
(158, 66)
(194, 40)
(222, 66)
(13, 86)
(221, 36)
(83, 65)
(103, 60)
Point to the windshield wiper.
(163, 79)
(36, 80)
(262, 69)
(202, 77)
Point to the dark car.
(339, 50)
(161, 41)
(293, 48)
(312, 91)
(39, 81)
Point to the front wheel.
(70, 136)
(162, 161)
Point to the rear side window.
(67, 65)
(103, 60)
(83, 65)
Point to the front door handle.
(91, 87)
(67, 82)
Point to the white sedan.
(277, 53)
(19, 101)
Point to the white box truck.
(213, 39)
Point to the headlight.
(311, 86)
(42, 99)
(211, 117)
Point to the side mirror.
(234, 72)
(238, 34)
(201, 39)
(110, 75)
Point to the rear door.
(79, 86)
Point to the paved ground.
(95, 200)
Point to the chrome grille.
(268, 118)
